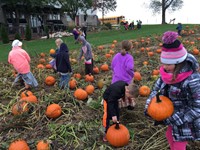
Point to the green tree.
(105, 6)
(28, 34)
(4, 35)
(158, 6)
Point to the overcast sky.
(137, 9)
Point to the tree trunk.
(163, 12)
(103, 12)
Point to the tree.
(162, 5)
(4, 35)
(73, 6)
(28, 34)
(105, 6)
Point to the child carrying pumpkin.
(86, 51)
(123, 69)
(180, 82)
(20, 60)
(111, 97)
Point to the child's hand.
(114, 119)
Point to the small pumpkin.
(108, 55)
(111, 52)
(150, 54)
(155, 72)
(160, 108)
(52, 51)
(104, 67)
(31, 99)
(147, 49)
(43, 145)
(26, 93)
(137, 76)
(96, 70)
(158, 51)
(40, 66)
(118, 135)
(100, 83)
(42, 55)
(72, 84)
(195, 51)
(100, 47)
(89, 89)
(145, 63)
(42, 61)
(144, 90)
(80, 94)
(112, 46)
(48, 66)
(50, 80)
(53, 111)
(19, 108)
(89, 78)
(77, 76)
(19, 145)
(142, 49)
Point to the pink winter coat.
(20, 60)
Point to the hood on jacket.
(63, 48)
(82, 39)
(191, 64)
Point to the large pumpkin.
(30, 99)
(89, 78)
(144, 90)
(26, 93)
(19, 108)
(43, 145)
(96, 70)
(104, 67)
(80, 94)
(160, 108)
(118, 135)
(89, 89)
(48, 66)
(50, 80)
(53, 111)
(40, 66)
(19, 145)
(72, 84)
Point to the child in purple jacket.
(123, 69)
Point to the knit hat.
(173, 51)
(16, 43)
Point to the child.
(179, 28)
(63, 65)
(20, 60)
(86, 50)
(76, 34)
(179, 81)
(123, 69)
(111, 96)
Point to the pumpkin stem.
(158, 98)
(117, 126)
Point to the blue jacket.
(179, 27)
(185, 96)
(62, 59)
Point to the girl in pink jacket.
(20, 60)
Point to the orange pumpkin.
(155, 72)
(89, 78)
(26, 94)
(192, 43)
(108, 55)
(19, 145)
(144, 90)
(137, 76)
(42, 55)
(42, 61)
(142, 49)
(77, 76)
(104, 67)
(160, 108)
(72, 84)
(150, 54)
(31, 99)
(19, 108)
(100, 47)
(111, 52)
(118, 135)
(145, 63)
(43, 145)
(96, 70)
(195, 51)
(80, 94)
(53, 111)
(89, 89)
(112, 46)
(147, 49)
(48, 66)
(50, 80)
(52, 51)
(158, 51)
(40, 66)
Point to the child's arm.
(192, 111)
(81, 54)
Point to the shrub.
(28, 34)
(108, 25)
(46, 29)
(4, 35)
(17, 36)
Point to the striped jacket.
(185, 96)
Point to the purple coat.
(123, 68)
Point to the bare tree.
(162, 5)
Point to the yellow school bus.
(113, 20)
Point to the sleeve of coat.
(130, 66)
(27, 56)
(68, 63)
(192, 110)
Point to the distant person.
(86, 51)
(179, 28)
(139, 24)
(131, 25)
(20, 60)
(76, 34)
(63, 65)
(84, 30)
(126, 25)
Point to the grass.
(95, 38)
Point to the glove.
(156, 123)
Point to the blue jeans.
(64, 80)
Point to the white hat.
(16, 43)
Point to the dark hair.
(177, 69)
(126, 45)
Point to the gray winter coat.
(185, 96)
